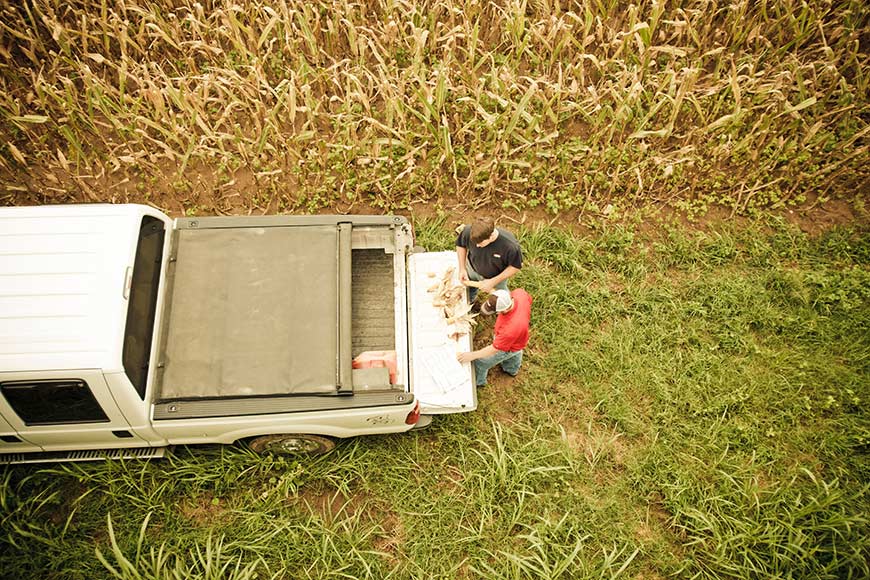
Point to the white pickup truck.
(124, 332)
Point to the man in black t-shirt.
(487, 254)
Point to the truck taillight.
(414, 415)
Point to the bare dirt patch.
(599, 444)
(392, 538)
(206, 190)
(823, 217)
(653, 525)
(330, 505)
(500, 397)
(203, 510)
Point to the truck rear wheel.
(292, 444)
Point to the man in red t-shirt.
(510, 336)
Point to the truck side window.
(142, 307)
(52, 402)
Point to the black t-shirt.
(495, 257)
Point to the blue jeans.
(473, 275)
(509, 361)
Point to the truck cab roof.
(64, 283)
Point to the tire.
(292, 444)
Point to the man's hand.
(463, 276)
(465, 357)
(487, 285)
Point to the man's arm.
(486, 351)
(461, 255)
(488, 285)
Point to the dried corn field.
(567, 106)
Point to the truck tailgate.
(438, 380)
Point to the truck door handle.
(128, 282)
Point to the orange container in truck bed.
(377, 359)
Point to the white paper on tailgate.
(440, 382)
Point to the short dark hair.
(481, 230)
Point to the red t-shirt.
(511, 331)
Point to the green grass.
(692, 405)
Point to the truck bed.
(263, 311)
(373, 322)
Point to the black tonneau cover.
(257, 311)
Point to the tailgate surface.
(438, 380)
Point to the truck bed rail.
(240, 406)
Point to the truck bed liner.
(373, 322)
